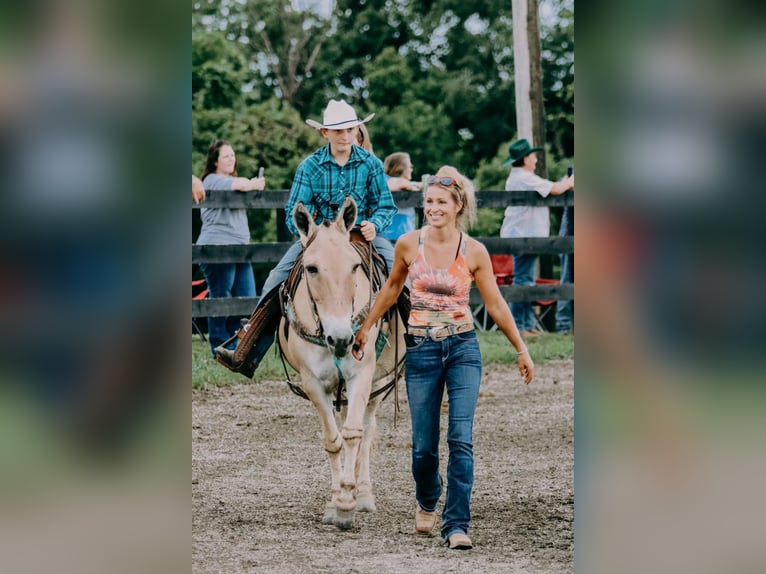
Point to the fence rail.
(272, 252)
(277, 199)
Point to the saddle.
(264, 319)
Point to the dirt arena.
(260, 480)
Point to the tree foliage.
(437, 73)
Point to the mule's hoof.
(344, 519)
(330, 515)
(365, 503)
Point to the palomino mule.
(329, 304)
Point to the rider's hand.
(368, 230)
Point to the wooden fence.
(272, 252)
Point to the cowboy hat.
(520, 149)
(338, 115)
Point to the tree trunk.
(529, 90)
(530, 114)
(521, 71)
(536, 85)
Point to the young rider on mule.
(323, 180)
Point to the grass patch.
(495, 349)
(207, 372)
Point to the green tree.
(438, 73)
(268, 134)
(219, 71)
(557, 51)
(281, 43)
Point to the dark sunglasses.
(445, 181)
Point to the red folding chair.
(502, 268)
(544, 306)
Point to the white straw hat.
(338, 115)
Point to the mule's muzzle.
(340, 345)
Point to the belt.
(439, 333)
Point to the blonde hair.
(363, 138)
(395, 164)
(464, 193)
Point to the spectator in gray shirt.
(225, 226)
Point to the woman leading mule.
(442, 349)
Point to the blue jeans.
(454, 362)
(227, 280)
(524, 268)
(280, 273)
(565, 309)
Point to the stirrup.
(225, 357)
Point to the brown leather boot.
(424, 520)
(226, 357)
(258, 331)
(459, 541)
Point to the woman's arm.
(401, 184)
(244, 184)
(389, 293)
(198, 191)
(497, 307)
(565, 184)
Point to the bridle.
(316, 335)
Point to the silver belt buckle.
(435, 337)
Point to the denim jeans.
(280, 273)
(565, 309)
(227, 280)
(524, 269)
(454, 362)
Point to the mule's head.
(331, 269)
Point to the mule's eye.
(356, 268)
(312, 269)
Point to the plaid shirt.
(322, 185)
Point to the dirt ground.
(260, 480)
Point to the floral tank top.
(440, 296)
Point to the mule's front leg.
(353, 430)
(333, 448)
(332, 442)
(365, 499)
(345, 502)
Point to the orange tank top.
(440, 296)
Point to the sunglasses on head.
(445, 181)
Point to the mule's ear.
(304, 222)
(347, 214)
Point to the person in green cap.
(527, 221)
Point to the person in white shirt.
(527, 221)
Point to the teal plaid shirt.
(322, 185)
